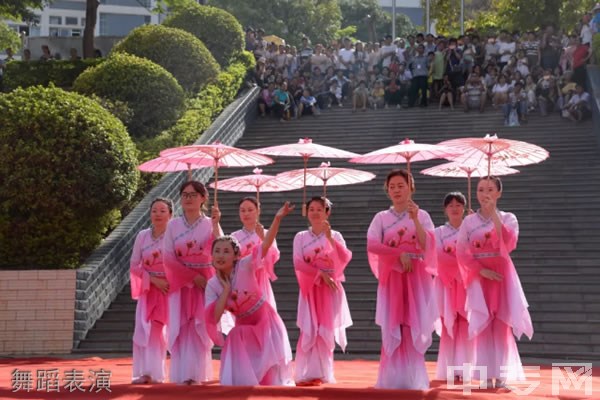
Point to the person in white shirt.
(346, 57)
(586, 30)
(506, 48)
(387, 51)
(579, 107)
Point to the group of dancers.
(194, 285)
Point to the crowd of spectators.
(516, 73)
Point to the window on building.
(75, 32)
(82, 21)
(55, 20)
(71, 21)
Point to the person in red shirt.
(581, 56)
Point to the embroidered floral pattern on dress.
(397, 242)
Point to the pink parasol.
(161, 164)
(215, 155)
(257, 182)
(326, 175)
(406, 151)
(305, 148)
(493, 150)
(458, 170)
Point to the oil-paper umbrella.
(326, 175)
(406, 151)
(493, 150)
(458, 170)
(306, 149)
(257, 182)
(162, 165)
(215, 155)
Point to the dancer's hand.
(285, 210)
(491, 275)
(225, 282)
(215, 214)
(200, 281)
(328, 280)
(413, 210)
(161, 283)
(406, 262)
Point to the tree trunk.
(91, 14)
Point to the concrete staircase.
(556, 203)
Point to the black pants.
(418, 83)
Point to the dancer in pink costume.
(251, 236)
(320, 257)
(149, 287)
(257, 350)
(401, 250)
(188, 265)
(455, 347)
(495, 302)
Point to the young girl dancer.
(257, 350)
(251, 235)
(320, 257)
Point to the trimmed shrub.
(177, 51)
(67, 165)
(200, 113)
(150, 91)
(61, 73)
(219, 31)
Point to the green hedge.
(67, 165)
(219, 31)
(177, 51)
(202, 110)
(61, 73)
(150, 91)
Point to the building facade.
(66, 18)
(412, 8)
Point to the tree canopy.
(290, 19)
(513, 15)
(20, 9)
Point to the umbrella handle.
(304, 189)
(216, 182)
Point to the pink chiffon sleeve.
(213, 291)
(379, 254)
(306, 273)
(270, 259)
(510, 234)
(429, 252)
(339, 254)
(139, 278)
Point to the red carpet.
(355, 381)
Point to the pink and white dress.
(266, 273)
(323, 313)
(257, 349)
(151, 312)
(186, 254)
(406, 307)
(456, 348)
(494, 308)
